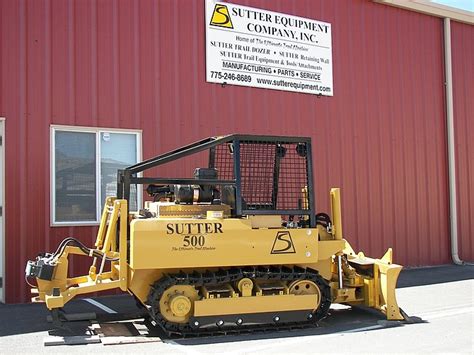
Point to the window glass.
(117, 150)
(75, 176)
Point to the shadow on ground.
(434, 275)
(339, 320)
(31, 318)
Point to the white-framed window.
(84, 164)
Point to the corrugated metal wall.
(462, 42)
(141, 65)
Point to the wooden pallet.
(131, 332)
(114, 333)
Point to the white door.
(2, 232)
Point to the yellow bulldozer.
(236, 247)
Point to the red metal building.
(139, 66)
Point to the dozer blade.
(380, 281)
(387, 282)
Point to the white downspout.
(450, 138)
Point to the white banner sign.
(253, 47)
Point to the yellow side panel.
(141, 280)
(327, 248)
(255, 304)
(183, 242)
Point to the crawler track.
(259, 322)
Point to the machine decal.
(283, 244)
(194, 234)
(221, 17)
(193, 228)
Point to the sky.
(467, 5)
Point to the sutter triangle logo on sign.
(221, 17)
(283, 244)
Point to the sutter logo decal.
(283, 244)
(220, 17)
(193, 236)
